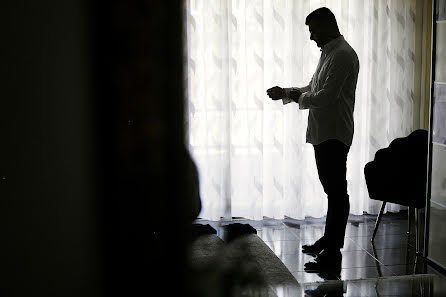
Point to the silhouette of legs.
(331, 162)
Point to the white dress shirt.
(330, 95)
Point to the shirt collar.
(332, 44)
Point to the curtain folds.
(251, 152)
(423, 52)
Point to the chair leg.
(378, 267)
(416, 231)
(378, 219)
(409, 220)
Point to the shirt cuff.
(289, 100)
(300, 101)
(286, 100)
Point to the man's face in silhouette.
(318, 33)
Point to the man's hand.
(276, 93)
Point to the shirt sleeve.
(336, 74)
(306, 88)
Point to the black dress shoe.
(314, 249)
(326, 262)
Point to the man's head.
(322, 25)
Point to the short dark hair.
(323, 16)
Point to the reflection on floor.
(387, 268)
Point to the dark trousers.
(331, 162)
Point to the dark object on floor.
(232, 231)
(198, 230)
(333, 288)
(398, 174)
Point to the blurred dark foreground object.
(198, 230)
(233, 231)
(243, 266)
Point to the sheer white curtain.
(251, 152)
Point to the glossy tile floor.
(363, 265)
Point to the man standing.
(330, 98)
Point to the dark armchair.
(398, 175)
